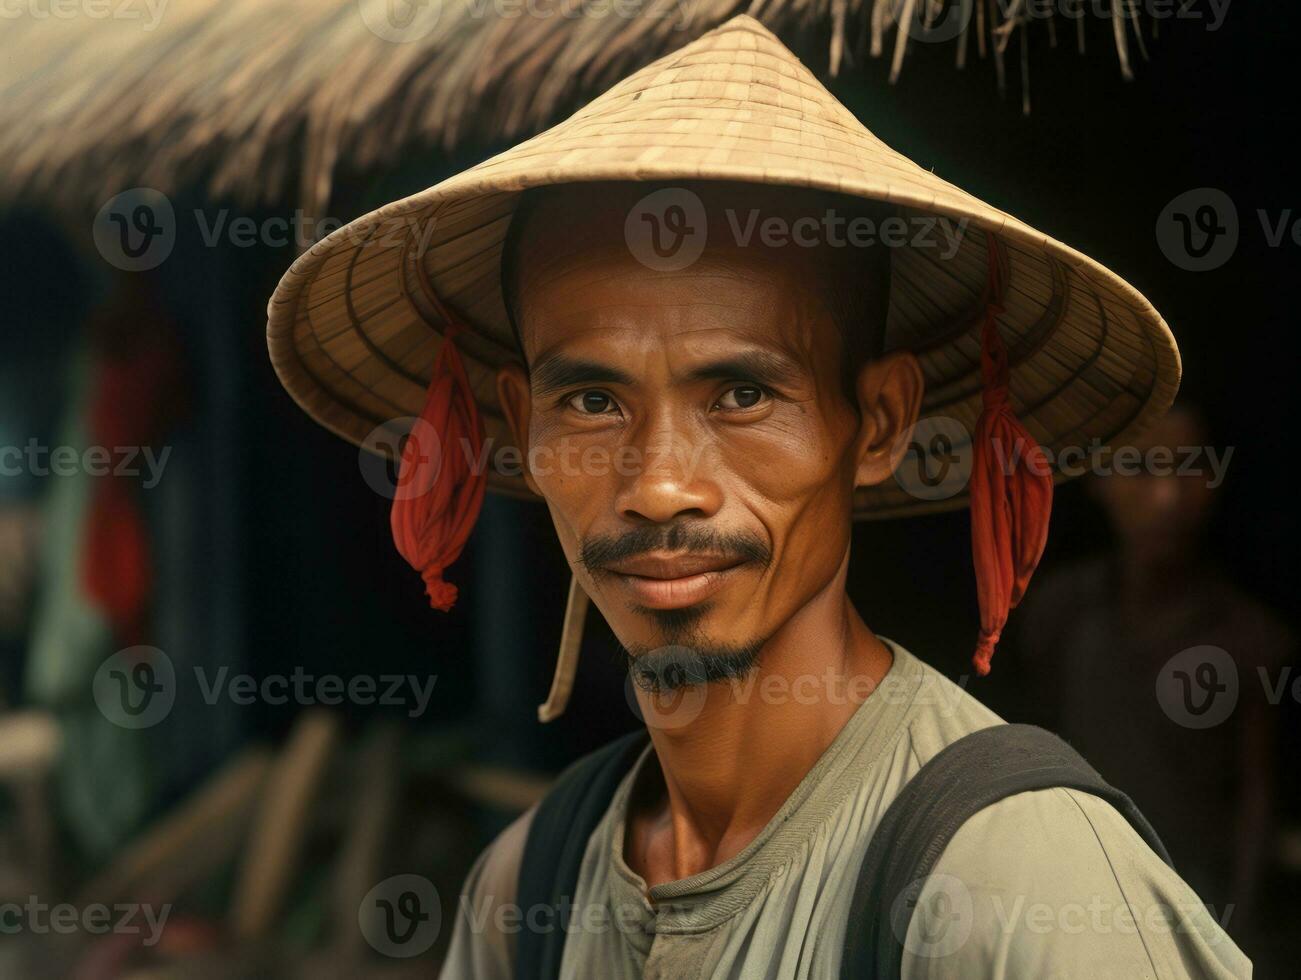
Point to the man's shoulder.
(481, 947)
(1070, 834)
(1049, 882)
(1056, 882)
(496, 872)
(1013, 832)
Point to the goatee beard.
(660, 670)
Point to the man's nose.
(669, 479)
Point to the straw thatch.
(254, 96)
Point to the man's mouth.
(659, 580)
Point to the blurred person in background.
(1162, 672)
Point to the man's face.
(1160, 515)
(689, 430)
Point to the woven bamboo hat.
(355, 324)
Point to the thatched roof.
(255, 96)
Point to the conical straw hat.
(354, 325)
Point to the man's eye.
(593, 403)
(740, 397)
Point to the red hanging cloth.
(440, 485)
(132, 399)
(1011, 488)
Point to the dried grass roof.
(255, 96)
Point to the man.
(1158, 668)
(704, 409)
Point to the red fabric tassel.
(1011, 488)
(440, 486)
(128, 407)
(115, 568)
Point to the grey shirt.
(1053, 883)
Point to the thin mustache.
(602, 550)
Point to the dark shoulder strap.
(554, 850)
(962, 779)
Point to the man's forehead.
(578, 279)
(617, 307)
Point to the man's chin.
(689, 661)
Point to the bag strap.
(553, 852)
(966, 776)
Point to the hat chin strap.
(571, 640)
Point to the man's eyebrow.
(553, 372)
(760, 366)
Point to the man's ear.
(889, 391)
(516, 405)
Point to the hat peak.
(722, 65)
(744, 22)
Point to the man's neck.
(723, 774)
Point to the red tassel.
(439, 490)
(130, 405)
(115, 564)
(1011, 487)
